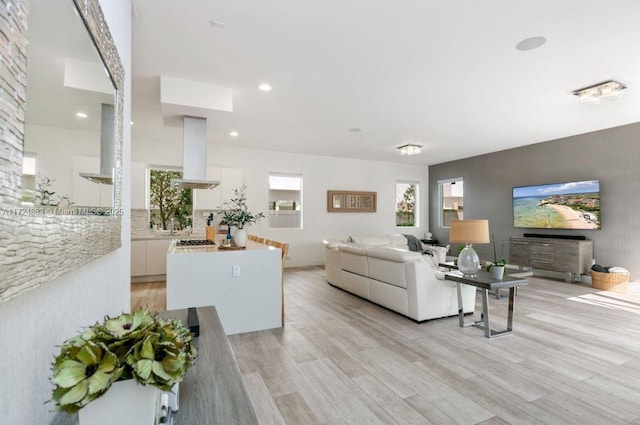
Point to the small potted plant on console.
(497, 266)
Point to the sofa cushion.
(353, 258)
(387, 264)
(333, 243)
(399, 241)
(371, 240)
(393, 254)
(354, 248)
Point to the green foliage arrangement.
(136, 346)
(235, 211)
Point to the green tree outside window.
(167, 201)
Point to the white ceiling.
(443, 74)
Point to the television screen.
(574, 205)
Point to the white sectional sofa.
(381, 269)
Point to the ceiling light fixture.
(592, 94)
(410, 149)
(264, 87)
(81, 115)
(234, 134)
(354, 130)
(531, 43)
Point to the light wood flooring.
(152, 295)
(574, 358)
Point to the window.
(451, 200)
(407, 204)
(285, 201)
(171, 207)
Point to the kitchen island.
(244, 284)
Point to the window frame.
(300, 203)
(441, 184)
(416, 203)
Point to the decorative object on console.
(469, 232)
(498, 264)
(137, 347)
(236, 213)
(350, 201)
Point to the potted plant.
(236, 213)
(139, 349)
(498, 264)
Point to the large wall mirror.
(60, 143)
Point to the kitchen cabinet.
(157, 256)
(210, 199)
(230, 178)
(149, 257)
(138, 258)
(85, 193)
(139, 185)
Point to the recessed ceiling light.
(131, 122)
(531, 43)
(218, 24)
(354, 130)
(81, 115)
(264, 87)
(234, 134)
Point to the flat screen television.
(572, 205)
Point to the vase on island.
(240, 238)
(126, 403)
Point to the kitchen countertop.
(158, 236)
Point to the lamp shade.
(469, 231)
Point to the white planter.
(125, 403)
(498, 272)
(240, 238)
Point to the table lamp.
(469, 232)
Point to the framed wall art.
(350, 201)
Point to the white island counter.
(244, 285)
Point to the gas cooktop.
(195, 242)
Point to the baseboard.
(151, 278)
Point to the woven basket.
(615, 282)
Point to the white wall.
(55, 149)
(33, 324)
(320, 173)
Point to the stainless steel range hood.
(107, 153)
(194, 166)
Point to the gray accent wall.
(611, 155)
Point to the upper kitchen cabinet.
(86, 193)
(229, 178)
(208, 199)
(139, 185)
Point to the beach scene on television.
(574, 205)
